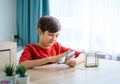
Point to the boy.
(48, 51)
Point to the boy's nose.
(54, 38)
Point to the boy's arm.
(38, 62)
(35, 63)
(78, 60)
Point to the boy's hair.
(49, 23)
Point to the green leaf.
(9, 69)
(21, 70)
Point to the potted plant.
(9, 73)
(23, 77)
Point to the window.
(90, 25)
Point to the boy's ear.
(39, 31)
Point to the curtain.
(28, 14)
(90, 25)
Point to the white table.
(108, 72)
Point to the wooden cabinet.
(7, 53)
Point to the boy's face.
(47, 39)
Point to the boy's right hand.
(59, 57)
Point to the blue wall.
(7, 20)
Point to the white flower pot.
(23, 80)
(12, 79)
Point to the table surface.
(108, 72)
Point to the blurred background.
(88, 25)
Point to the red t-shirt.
(34, 51)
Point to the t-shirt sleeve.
(63, 49)
(60, 49)
(77, 53)
(26, 55)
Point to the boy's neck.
(42, 46)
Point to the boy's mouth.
(51, 43)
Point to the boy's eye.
(57, 35)
(50, 34)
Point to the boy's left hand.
(71, 62)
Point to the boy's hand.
(78, 60)
(71, 62)
(58, 57)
